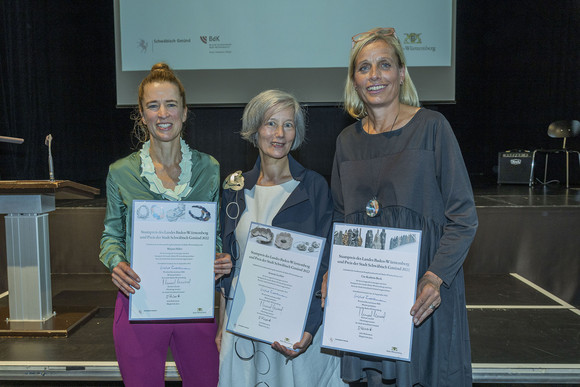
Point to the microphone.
(48, 142)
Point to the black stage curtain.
(517, 70)
(57, 76)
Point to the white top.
(262, 205)
(313, 368)
(182, 189)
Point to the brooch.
(235, 181)
(142, 212)
(204, 216)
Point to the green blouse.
(128, 179)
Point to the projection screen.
(227, 51)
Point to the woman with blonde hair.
(400, 166)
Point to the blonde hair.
(407, 94)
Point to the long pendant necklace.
(392, 126)
(373, 206)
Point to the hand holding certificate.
(371, 288)
(273, 292)
(173, 251)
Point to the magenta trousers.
(141, 349)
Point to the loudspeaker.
(514, 167)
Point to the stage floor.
(519, 333)
(487, 194)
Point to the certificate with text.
(372, 286)
(173, 252)
(272, 296)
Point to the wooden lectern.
(26, 204)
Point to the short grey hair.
(255, 115)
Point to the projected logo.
(412, 38)
(211, 39)
(215, 45)
(143, 45)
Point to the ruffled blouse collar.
(182, 189)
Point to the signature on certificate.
(371, 313)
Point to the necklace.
(373, 206)
(397, 116)
(392, 126)
(204, 216)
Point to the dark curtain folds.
(24, 90)
(517, 71)
(57, 77)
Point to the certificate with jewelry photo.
(173, 252)
(276, 282)
(371, 288)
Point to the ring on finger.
(432, 306)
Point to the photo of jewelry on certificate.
(372, 284)
(173, 252)
(275, 285)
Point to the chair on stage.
(558, 129)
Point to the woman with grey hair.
(279, 192)
(400, 166)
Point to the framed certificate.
(372, 286)
(272, 296)
(173, 252)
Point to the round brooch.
(283, 241)
(157, 212)
(143, 212)
(204, 215)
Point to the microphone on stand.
(48, 142)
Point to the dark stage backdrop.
(517, 70)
